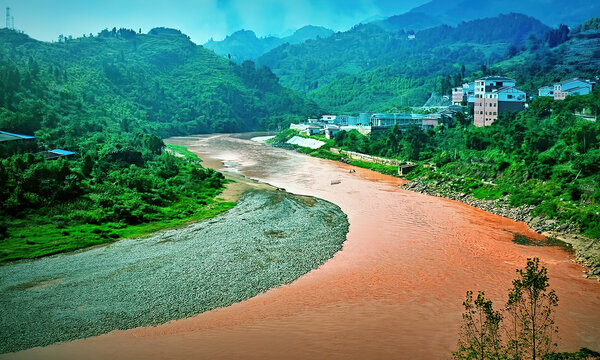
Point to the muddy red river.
(393, 292)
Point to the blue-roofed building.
(6, 136)
(55, 154)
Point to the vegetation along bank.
(540, 165)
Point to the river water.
(393, 292)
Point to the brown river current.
(393, 292)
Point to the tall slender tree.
(480, 337)
(531, 330)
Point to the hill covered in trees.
(562, 54)
(110, 98)
(550, 12)
(371, 69)
(161, 82)
(245, 45)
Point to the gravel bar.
(270, 238)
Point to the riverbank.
(587, 251)
(269, 239)
(398, 282)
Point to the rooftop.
(55, 154)
(572, 80)
(576, 88)
(506, 88)
(496, 78)
(6, 136)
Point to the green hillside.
(370, 69)
(539, 65)
(160, 82)
(550, 12)
(110, 98)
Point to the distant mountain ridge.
(245, 45)
(371, 69)
(549, 12)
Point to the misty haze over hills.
(550, 12)
(245, 45)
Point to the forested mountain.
(370, 69)
(245, 45)
(550, 12)
(539, 65)
(161, 82)
(109, 98)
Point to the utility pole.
(7, 17)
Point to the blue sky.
(200, 19)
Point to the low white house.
(312, 130)
(546, 91)
(331, 131)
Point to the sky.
(200, 19)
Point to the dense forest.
(110, 99)
(159, 82)
(369, 69)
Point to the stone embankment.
(587, 251)
(368, 158)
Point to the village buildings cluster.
(493, 95)
(571, 87)
(489, 97)
(365, 123)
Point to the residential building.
(465, 93)
(575, 86)
(331, 131)
(400, 119)
(495, 95)
(333, 119)
(457, 95)
(546, 91)
(312, 130)
(430, 121)
(469, 89)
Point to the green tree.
(480, 336)
(531, 307)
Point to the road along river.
(393, 292)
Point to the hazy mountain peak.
(550, 12)
(245, 45)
